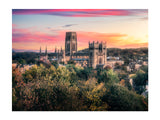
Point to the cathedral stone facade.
(95, 56)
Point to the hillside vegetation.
(72, 88)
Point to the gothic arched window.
(100, 60)
(73, 37)
(73, 46)
(68, 47)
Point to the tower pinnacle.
(46, 51)
(40, 50)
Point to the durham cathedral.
(95, 56)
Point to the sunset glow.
(119, 28)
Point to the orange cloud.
(135, 45)
(27, 39)
(117, 40)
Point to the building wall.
(97, 54)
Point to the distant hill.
(123, 53)
(84, 50)
(29, 57)
(13, 51)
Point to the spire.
(61, 49)
(58, 54)
(55, 49)
(40, 50)
(46, 51)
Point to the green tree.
(108, 77)
(55, 64)
(92, 92)
(140, 80)
(51, 88)
(71, 62)
(119, 98)
(22, 61)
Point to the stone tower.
(70, 44)
(97, 55)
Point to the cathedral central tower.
(70, 44)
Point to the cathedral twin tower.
(97, 51)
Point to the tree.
(108, 77)
(122, 74)
(108, 67)
(140, 79)
(55, 64)
(92, 92)
(120, 98)
(71, 62)
(17, 84)
(49, 88)
(22, 61)
(117, 66)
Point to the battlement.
(97, 44)
(70, 33)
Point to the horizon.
(32, 28)
(43, 51)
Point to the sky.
(119, 28)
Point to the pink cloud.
(81, 12)
(15, 30)
(25, 35)
(22, 36)
(14, 25)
